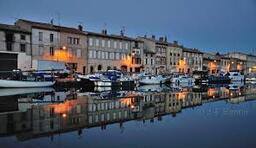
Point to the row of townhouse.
(216, 63)
(26, 42)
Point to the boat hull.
(103, 83)
(22, 84)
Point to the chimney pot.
(80, 27)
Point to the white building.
(15, 48)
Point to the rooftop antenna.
(123, 30)
(105, 26)
(58, 17)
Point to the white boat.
(97, 79)
(22, 91)
(22, 84)
(152, 88)
(152, 80)
(183, 80)
(236, 85)
(235, 76)
(251, 78)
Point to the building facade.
(113, 52)
(57, 43)
(15, 48)
(192, 61)
(154, 56)
(244, 62)
(173, 57)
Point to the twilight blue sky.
(210, 25)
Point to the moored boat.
(235, 76)
(21, 84)
(153, 80)
(18, 80)
(183, 80)
(218, 79)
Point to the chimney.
(153, 37)
(165, 39)
(104, 31)
(122, 33)
(80, 27)
(51, 21)
(161, 39)
(175, 42)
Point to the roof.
(155, 40)
(241, 53)
(192, 50)
(13, 28)
(53, 27)
(120, 37)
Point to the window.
(22, 37)
(103, 55)
(76, 41)
(9, 46)
(106, 55)
(70, 52)
(99, 55)
(69, 40)
(91, 42)
(126, 46)
(40, 36)
(94, 54)
(90, 54)
(120, 45)
(108, 43)
(22, 47)
(97, 42)
(51, 51)
(51, 37)
(112, 55)
(115, 44)
(78, 53)
(103, 43)
(146, 61)
(41, 50)
(117, 56)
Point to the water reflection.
(29, 114)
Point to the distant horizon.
(208, 26)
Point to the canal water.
(148, 116)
